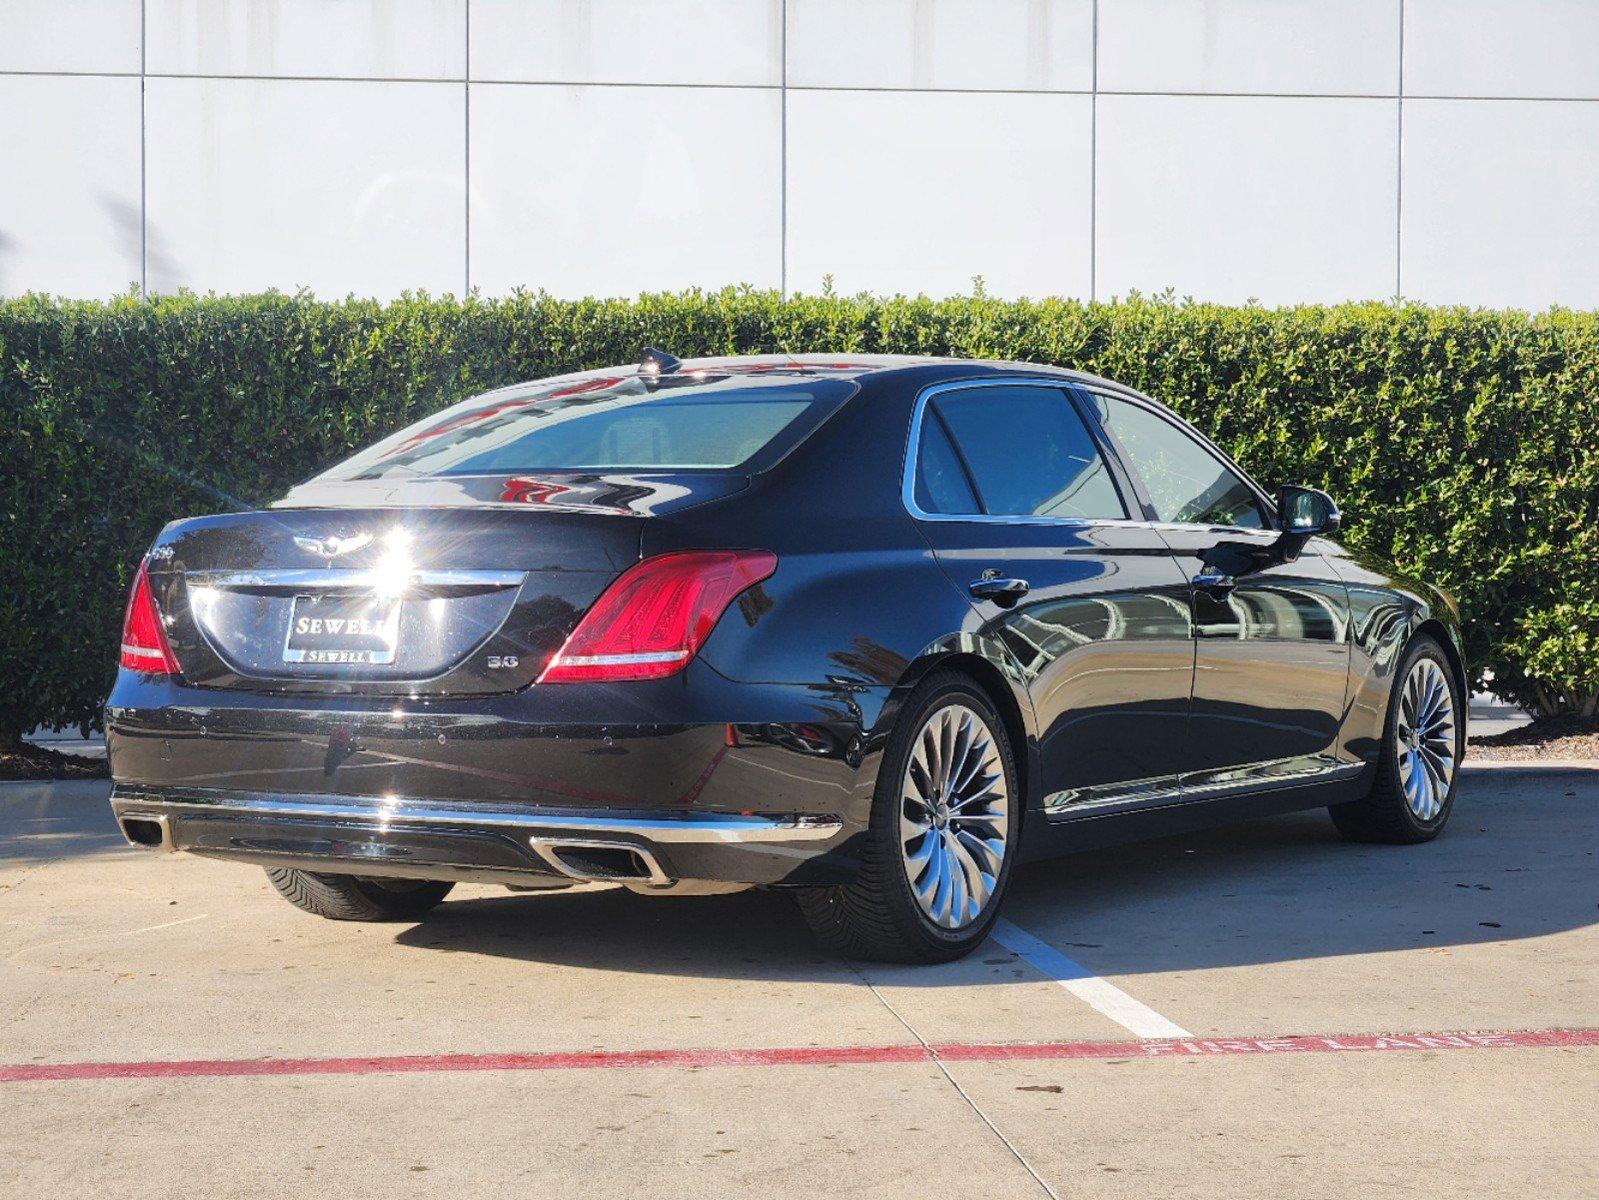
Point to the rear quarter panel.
(858, 610)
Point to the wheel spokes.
(954, 816)
(1427, 735)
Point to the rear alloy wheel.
(953, 821)
(1423, 741)
(939, 850)
(357, 897)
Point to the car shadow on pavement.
(1517, 862)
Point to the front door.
(1024, 513)
(1271, 659)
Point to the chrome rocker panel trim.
(1199, 785)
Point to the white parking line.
(1105, 998)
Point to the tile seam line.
(804, 87)
(938, 1061)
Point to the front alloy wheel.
(937, 856)
(1418, 768)
(1425, 739)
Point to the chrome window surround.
(1267, 504)
(1064, 385)
(908, 480)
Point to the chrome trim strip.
(302, 579)
(1215, 784)
(1160, 789)
(704, 828)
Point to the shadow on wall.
(130, 232)
(7, 242)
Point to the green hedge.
(1462, 444)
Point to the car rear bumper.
(515, 844)
(701, 780)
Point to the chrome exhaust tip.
(147, 831)
(591, 860)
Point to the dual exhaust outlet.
(147, 831)
(635, 867)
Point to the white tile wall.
(338, 187)
(1228, 198)
(1026, 45)
(617, 190)
(1498, 209)
(1502, 48)
(69, 210)
(1244, 147)
(381, 39)
(919, 192)
(80, 35)
(1291, 47)
(624, 41)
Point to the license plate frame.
(365, 630)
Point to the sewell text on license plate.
(342, 629)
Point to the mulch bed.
(1561, 737)
(35, 762)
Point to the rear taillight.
(656, 616)
(144, 642)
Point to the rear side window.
(1026, 452)
(1186, 483)
(700, 422)
(942, 485)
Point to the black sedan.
(870, 629)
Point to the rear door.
(1026, 515)
(1272, 639)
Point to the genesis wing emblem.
(333, 546)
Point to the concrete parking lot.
(173, 1028)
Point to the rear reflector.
(655, 616)
(144, 642)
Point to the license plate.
(342, 629)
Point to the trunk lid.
(454, 598)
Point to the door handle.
(1214, 583)
(1003, 592)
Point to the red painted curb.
(800, 1056)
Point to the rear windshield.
(696, 422)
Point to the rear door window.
(1026, 453)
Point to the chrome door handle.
(1003, 592)
(1215, 584)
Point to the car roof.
(841, 365)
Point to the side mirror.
(1304, 513)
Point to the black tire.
(358, 898)
(877, 916)
(1384, 815)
